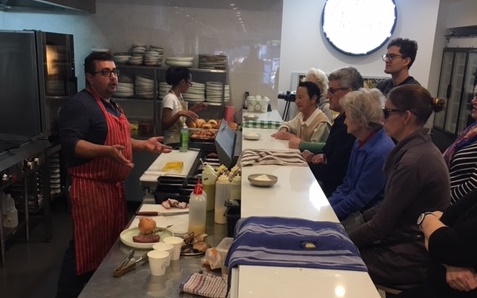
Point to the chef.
(96, 141)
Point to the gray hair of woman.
(365, 106)
(349, 77)
(318, 77)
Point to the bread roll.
(207, 126)
(199, 123)
(191, 124)
(213, 123)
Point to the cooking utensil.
(123, 269)
(147, 213)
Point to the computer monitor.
(225, 144)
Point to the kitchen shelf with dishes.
(141, 88)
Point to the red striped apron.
(98, 204)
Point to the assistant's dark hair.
(312, 89)
(174, 75)
(349, 77)
(407, 48)
(92, 58)
(416, 99)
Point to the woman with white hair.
(363, 184)
(318, 77)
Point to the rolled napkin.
(292, 242)
(206, 285)
(262, 124)
(251, 157)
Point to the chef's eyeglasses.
(106, 72)
(391, 57)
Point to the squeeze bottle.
(222, 193)
(209, 176)
(184, 139)
(197, 210)
(10, 213)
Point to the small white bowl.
(252, 136)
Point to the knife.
(155, 213)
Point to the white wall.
(304, 46)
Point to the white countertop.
(266, 141)
(296, 194)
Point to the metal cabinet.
(456, 86)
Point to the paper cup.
(157, 261)
(177, 243)
(162, 246)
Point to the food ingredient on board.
(147, 228)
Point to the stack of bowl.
(125, 86)
(121, 57)
(213, 90)
(180, 61)
(207, 61)
(196, 93)
(164, 89)
(144, 86)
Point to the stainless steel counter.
(139, 282)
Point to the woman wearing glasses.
(389, 240)
(461, 159)
(174, 109)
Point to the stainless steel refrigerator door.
(19, 96)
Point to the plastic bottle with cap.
(236, 188)
(222, 195)
(10, 212)
(209, 176)
(197, 210)
(184, 139)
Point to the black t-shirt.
(386, 85)
(81, 118)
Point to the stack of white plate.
(213, 90)
(135, 60)
(124, 89)
(212, 61)
(121, 57)
(180, 61)
(152, 58)
(138, 48)
(196, 93)
(164, 89)
(144, 86)
(160, 51)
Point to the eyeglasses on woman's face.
(332, 91)
(387, 112)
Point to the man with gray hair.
(330, 165)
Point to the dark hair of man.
(349, 77)
(407, 48)
(91, 59)
(416, 99)
(174, 75)
(312, 89)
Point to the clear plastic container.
(10, 212)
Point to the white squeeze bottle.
(236, 188)
(197, 210)
(10, 212)
(222, 194)
(209, 176)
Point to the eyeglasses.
(106, 72)
(190, 83)
(332, 91)
(391, 57)
(388, 112)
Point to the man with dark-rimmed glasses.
(398, 59)
(330, 165)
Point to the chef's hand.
(154, 145)
(318, 159)
(294, 142)
(199, 107)
(307, 155)
(461, 279)
(117, 155)
(189, 114)
(282, 135)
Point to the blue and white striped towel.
(290, 242)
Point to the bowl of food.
(250, 117)
(262, 180)
(252, 136)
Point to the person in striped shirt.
(461, 158)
